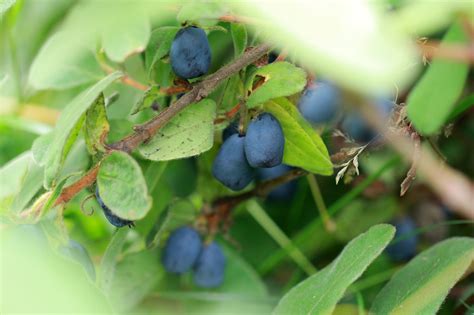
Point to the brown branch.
(148, 129)
(411, 174)
(458, 52)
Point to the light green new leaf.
(189, 133)
(239, 37)
(203, 13)
(432, 100)
(147, 99)
(60, 66)
(320, 293)
(280, 79)
(159, 45)
(122, 186)
(303, 146)
(422, 285)
(40, 147)
(109, 260)
(96, 126)
(176, 214)
(68, 126)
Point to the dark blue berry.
(272, 56)
(210, 266)
(283, 191)
(190, 53)
(320, 102)
(181, 250)
(264, 142)
(231, 129)
(76, 252)
(230, 166)
(404, 248)
(111, 217)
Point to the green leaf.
(239, 38)
(280, 79)
(147, 99)
(433, 98)
(303, 146)
(135, 276)
(96, 126)
(109, 260)
(40, 147)
(422, 285)
(159, 45)
(176, 214)
(189, 133)
(126, 33)
(31, 184)
(462, 106)
(5, 5)
(60, 66)
(232, 93)
(320, 293)
(200, 12)
(122, 186)
(68, 126)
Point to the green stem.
(329, 224)
(259, 214)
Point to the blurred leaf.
(178, 213)
(5, 5)
(147, 99)
(280, 79)
(122, 186)
(303, 146)
(60, 66)
(96, 126)
(320, 293)
(67, 127)
(76, 252)
(159, 46)
(431, 101)
(189, 133)
(109, 260)
(203, 13)
(422, 285)
(135, 276)
(123, 33)
(239, 37)
(40, 147)
(462, 106)
(31, 184)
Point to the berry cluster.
(185, 250)
(261, 147)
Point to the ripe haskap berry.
(357, 127)
(111, 217)
(230, 130)
(405, 248)
(230, 166)
(264, 142)
(210, 266)
(281, 192)
(181, 250)
(320, 102)
(190, 53)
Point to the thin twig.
(329, 224)
(148, 129)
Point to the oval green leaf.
(320, 293)
(122, 186)
(422, 285)
(303, 146)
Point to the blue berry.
(111, 217)
(230, 130)
(281, 192)
(210, 267)
(230, 166)
(181, 250)
(190, 53)
(264, 142)
(320, 102)
(405, 248)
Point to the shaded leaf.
(232, 93)
(320, 293)
(159, 45)
(147, 99)
(109, 260)
(280, 79)
(239, 38)
(422, 285)
(462, 106)
(68, 126)
(189, 133)
(40, 147)
(96, 126)
(303, 146)
(431, 101)
(122, 186)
